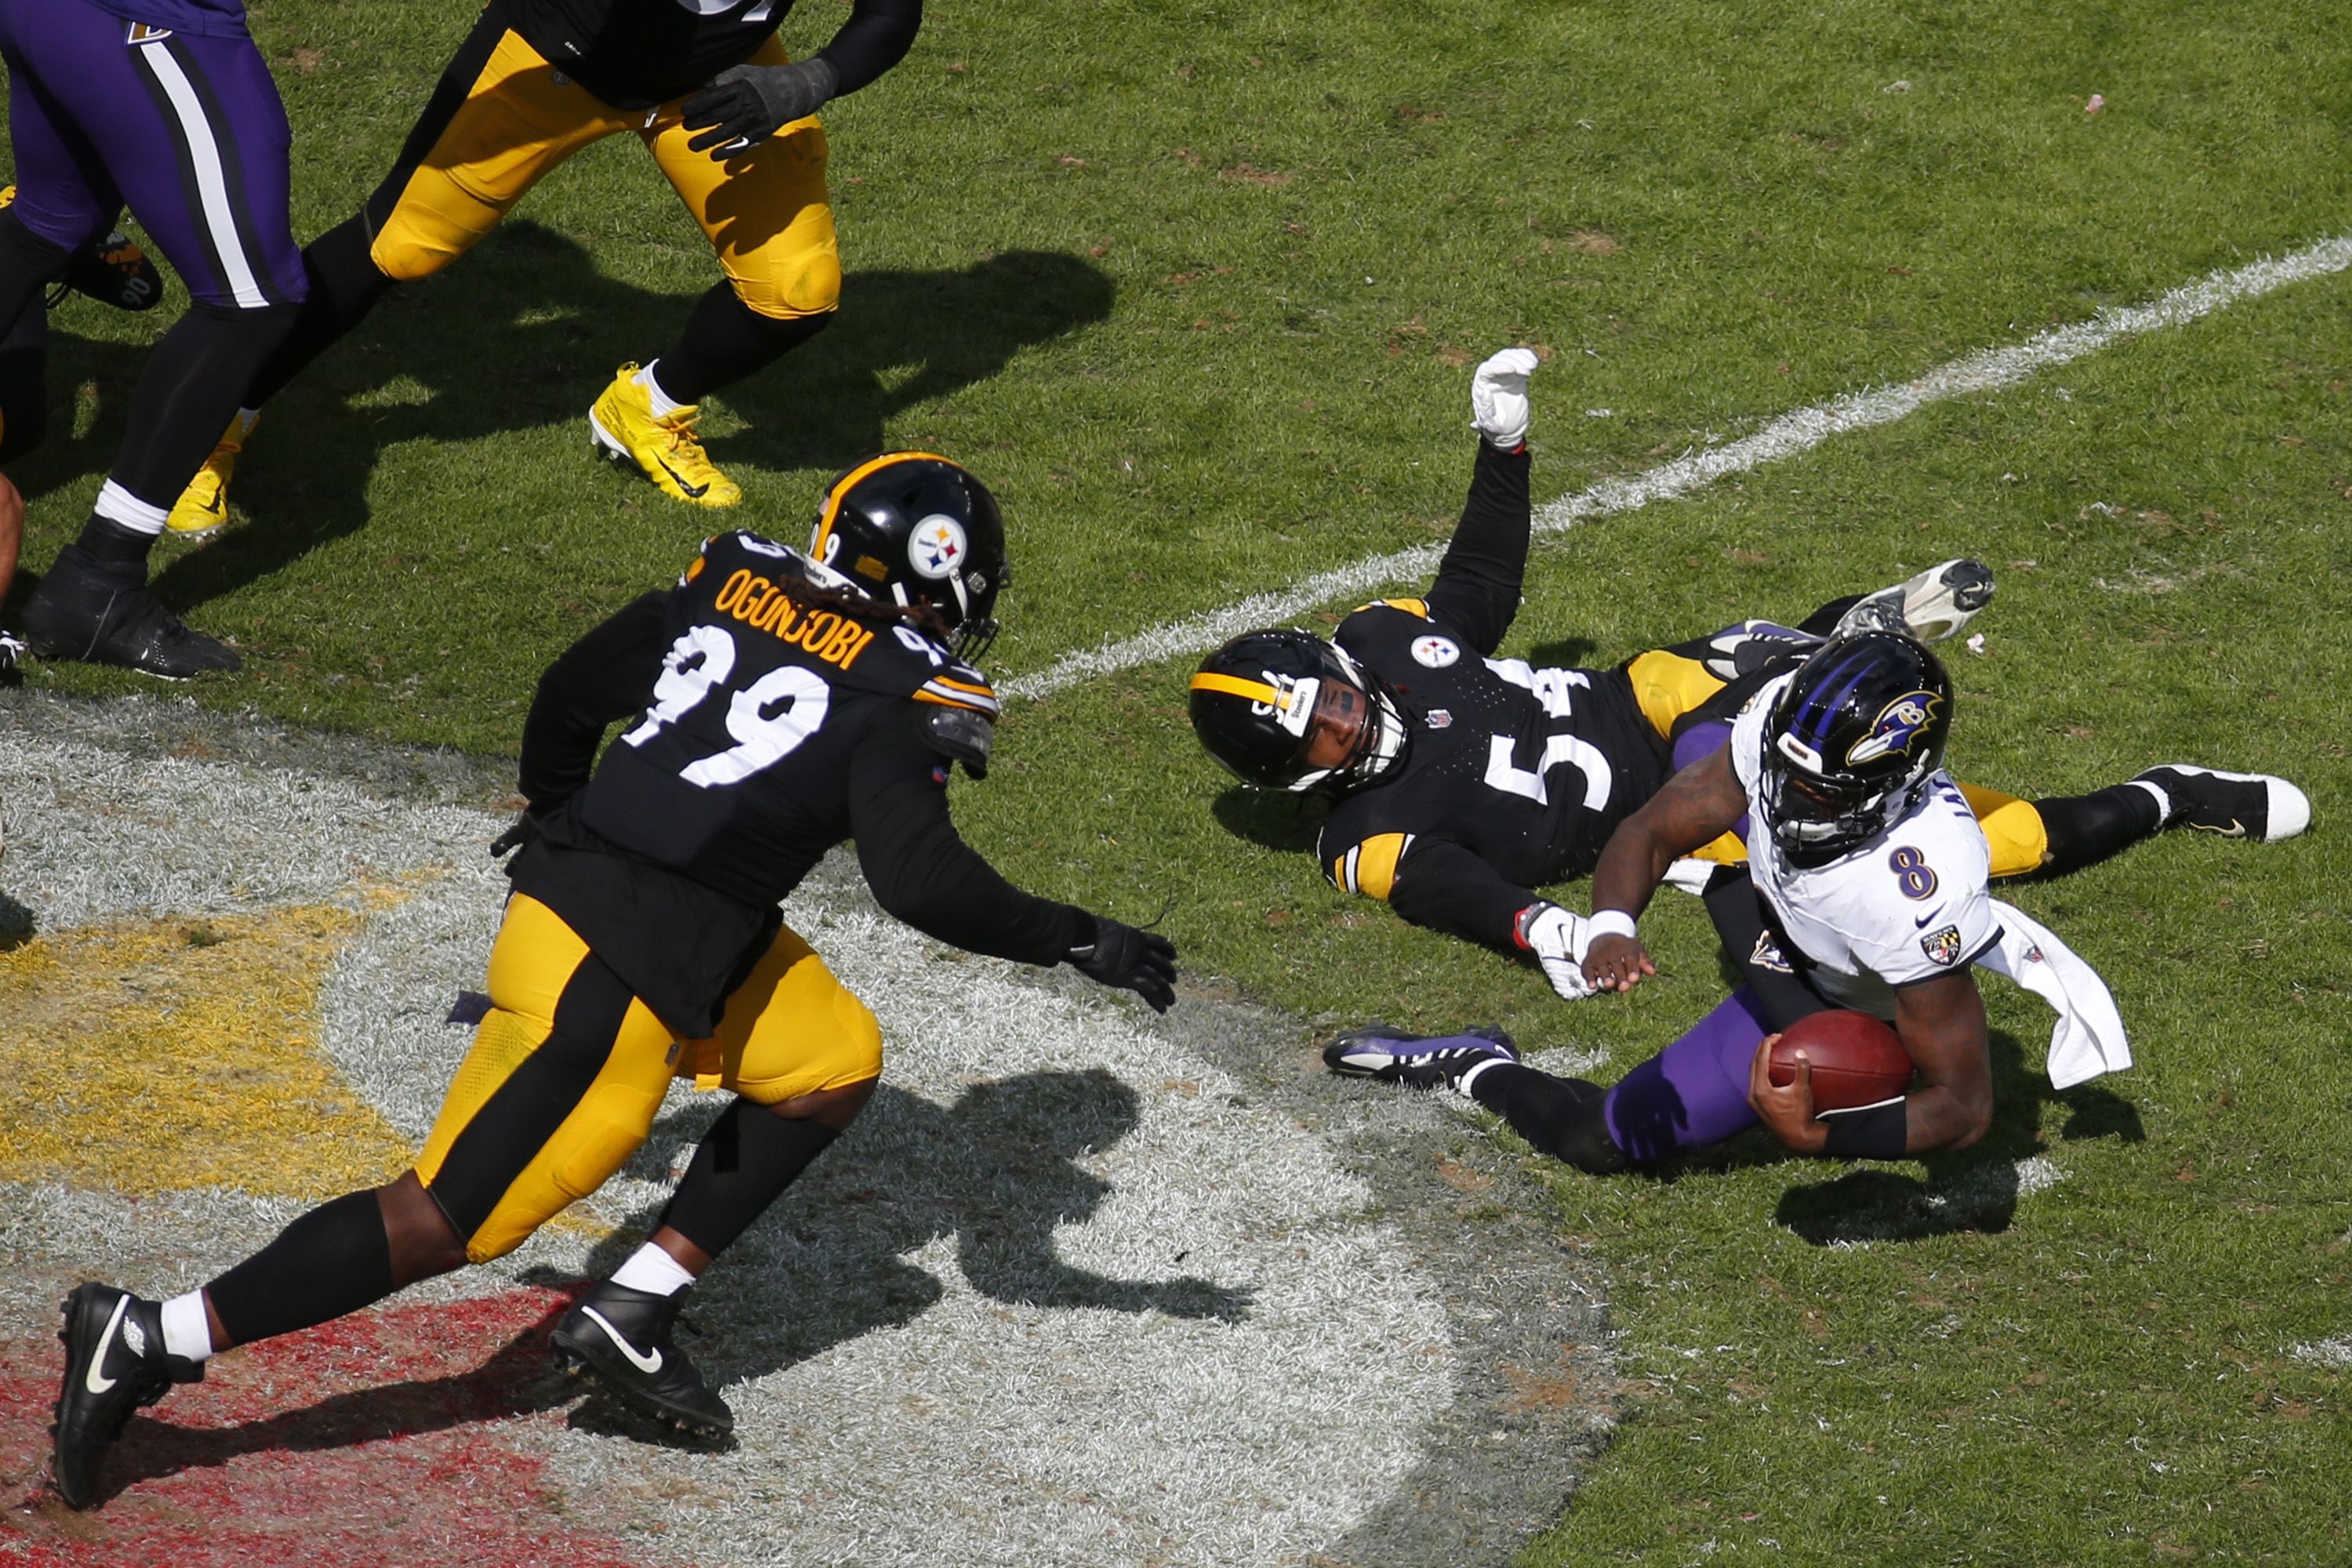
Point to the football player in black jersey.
(1461, 782)
(729, 120)
(778, 704)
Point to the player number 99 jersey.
(738, 775)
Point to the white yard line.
(1987, 370)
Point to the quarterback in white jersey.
(1907, 905)
(1864, 887)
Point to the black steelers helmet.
(1259, 702)
(1852, 741)
(910, 528)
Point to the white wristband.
(1609, 922)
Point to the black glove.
(1139, 961)
(519, 833)
(744, 105)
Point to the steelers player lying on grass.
(1865, 888)
(780, 704)
(1461, 783)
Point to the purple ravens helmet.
(1851, 742)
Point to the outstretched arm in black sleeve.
(608, 674)
(922, 871)
(1450, 888)
(1478, 582)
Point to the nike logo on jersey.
(648, 1364)
(691, 491)
(1923, 920)
(90, 1378)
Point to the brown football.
(1857, 1059)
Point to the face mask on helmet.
(1852, 741)
(916, 531)
(1285, 710)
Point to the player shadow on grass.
(517, 1380)
(1272, 819)
(1974, 1189)
(521, 336)
(996, 1171)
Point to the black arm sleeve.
(1477, 587)
(608, 674)
(922, 871)
(1447, 887)
(876, 36)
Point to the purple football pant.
(186, 131)
(1694, 1092)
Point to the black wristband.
(1871, 1133)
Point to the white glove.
(1558, 939)
(1499, 398)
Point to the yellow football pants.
(568, 1071)
(504, 117)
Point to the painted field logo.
(1070, 1292)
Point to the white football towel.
(2089, 1038)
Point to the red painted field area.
(384, 1439)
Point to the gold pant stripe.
(765, 211)
(791, 1029)
(1666, 686)
(2015, 830)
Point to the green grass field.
(1196, 287)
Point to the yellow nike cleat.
(203, 507)
(665, 447)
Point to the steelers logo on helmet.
(914, 530)
(1434, 652)
(935, 549)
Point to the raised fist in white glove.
(1499, 398)
(1558, 939)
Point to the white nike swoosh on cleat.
(648, 1364)
(89, 1378)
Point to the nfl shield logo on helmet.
(1941, 946)
(935, 548)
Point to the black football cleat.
(1936, 604)
(1417, 1061)
(115, 1363)
(2235, 805)
(624, 1336)
(102, 615)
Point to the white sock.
(654, 1271)
(186, 1332)
(1462, 1085)
(2163, 801)
(118, 505)
(664, 403)
(246, 418)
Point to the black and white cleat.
(624, 1338)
